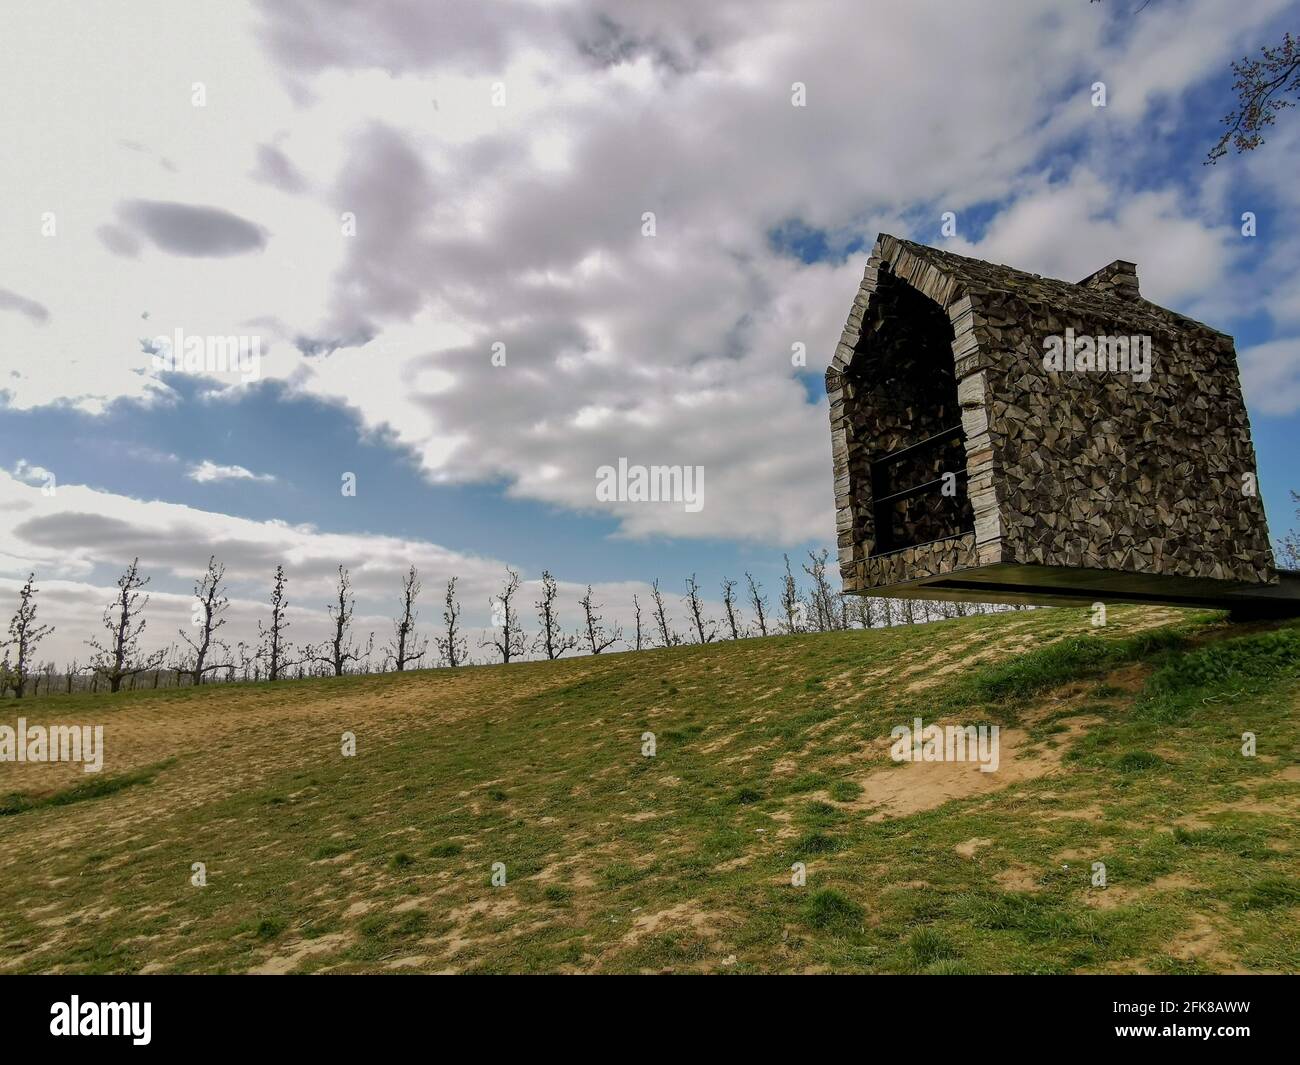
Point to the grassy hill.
(1120, 745)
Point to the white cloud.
(1270, 375)
(207, 471)
(79, 539)
(30, 474)
(520, 224)
(1070, 228)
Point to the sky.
(482, 249)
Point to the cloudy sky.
(386, 193)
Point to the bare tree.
(791, 604)
(124, 622)
(1288, 546)
(510, 641)
(551, 638)
(824, 614)
(211, 605)
(182, 664)
(705, 629)
(249, 667)
(729, 605)
(667, 638)
(171, 654)
(274, 648)
(863, 610)
(452, 647)
(636, 607)
(597, 638)
(759, 602)
(340, 649)
(24, 634)
(407, 647)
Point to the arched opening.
(908, 465)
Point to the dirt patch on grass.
(685, 915)
(1248, 805)
(956, 660)
(1203, 942)
(914, 787)
(719, 743)
(413, 961)
(1017, 878)
(564, 873)
(1116, 895)
(489, 908)
(1087, 813)
(291, 958)
(1130, 679)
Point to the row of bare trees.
(277, 657)
(116, 658)
(202, 655)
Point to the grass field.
(1120, 745)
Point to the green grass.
(815, 843)
(1137, 761)
(617, 862)
(829, 910)
(1272, 892)
(929, 946)
(95, 787)
(845, 790)
(1228, 669)
(1054, 664)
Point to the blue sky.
(150, 451)
(522, 225)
